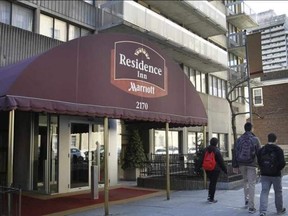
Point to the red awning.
(105, 75)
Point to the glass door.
(45, 155)
(79, 155)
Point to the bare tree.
(234, 84)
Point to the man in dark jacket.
(271, 161)
(214, 174)
(248, 169)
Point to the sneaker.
(283, 211)
(252, 210)
(212, 201)
(246, 204)
(262, 214)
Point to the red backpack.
(209, 161)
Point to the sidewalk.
(188, 203)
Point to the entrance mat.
(32, 206)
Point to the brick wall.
(273, 115)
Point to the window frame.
(254, 96)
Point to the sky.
(280, 7)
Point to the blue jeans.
(266, 182)
(249, 178)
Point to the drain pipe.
(204, 146)
(106, 152)
(167, 163)
(10, 148)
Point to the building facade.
(268, 91)
(273, 30)
(206, 38)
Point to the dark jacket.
(220, 165)
(279, 155)
(257, 144)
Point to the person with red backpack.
(212, 162)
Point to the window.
(223, 143)
(198, 81)
(22, 17)
(214, 83)
(224, 92)
(160, 144)
(46, 25)
(257, 97)
(195, 140)
(197, 78)
(16, 15)
(74, 32)
(5, 12)
(89, 2)
(60, 30)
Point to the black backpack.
(268, 162)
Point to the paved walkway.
(189, 203)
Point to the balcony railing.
(142, 19)
(238, 7)
(241, 15)
(200, 16)
(238, 71)
(236, 40)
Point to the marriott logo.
(138, 69)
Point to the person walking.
(271, 161)
(218, 165)
(245, 160)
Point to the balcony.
(181, 44)
(238, 72)
(239, 15)
(236, 44)
(199, 16)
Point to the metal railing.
(10, 201)
(179, 164)
(182, 166)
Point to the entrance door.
(45, 157)
(79, 155)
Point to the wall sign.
(138, 69)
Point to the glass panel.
(210, 83)
(191, 142)
(40, 153)
(46, 25)
(5, 12)
(22, 17)
(160, 144)
(79, 166)
(257, 93)
(74, 32)
(223, 89)
(219, 88)
(200, 140)
(97, 149)
(192, 77)
(54, 154)
(89, 1)
(215, 86)
(198, 81)
(85, 32)
(186, 70)
(60, 30)
(203, 83)
(45, 171)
